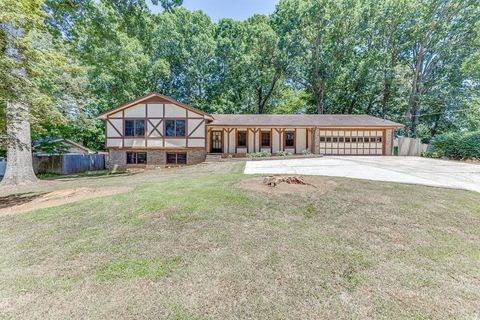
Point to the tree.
(40, 84)
(325, 30)
(440, 38)
(17, 59)
(186, 40)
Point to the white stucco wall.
(136, 111)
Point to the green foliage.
(283, 153)
(150, 268)
(51, 147)
(408, 61)
(457, 145)
(306, 152)
(261, 154)
(431, 154)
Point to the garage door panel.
(351, 142)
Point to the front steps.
(213, 157)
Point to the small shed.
(57, 145)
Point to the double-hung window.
(265, 139)
(289, 139)
(134, 128)
(241, 139)
(175, 128)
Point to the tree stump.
(273, 181)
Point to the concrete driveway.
(415, 170)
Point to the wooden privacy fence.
(410, 147)
(68, 163)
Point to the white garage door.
(351, 142)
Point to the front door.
(216, 139)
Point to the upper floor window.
(134, 128)
(175, 128)
(241, 139)
(289, 139)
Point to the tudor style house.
(156, 130)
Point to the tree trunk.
(319, 101)
(259, 100)
(19, 141)
(386, 95)
(19, 146)
(319, 93)
(412, 109)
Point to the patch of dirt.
(17, 199)
(319, 185)
(27, 203)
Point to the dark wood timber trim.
(279, 131)
(196, 128)
(118, 131)
(155, 128)
(306, 139)
(146, 125)
(384, 141)
(161, 97)
(271, 140)
(229, 130)
(163, 116)
(254, 131)
(186, 128)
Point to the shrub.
(431, 154)
(282, 153)
(457, 145)
(265, 154)
(261, 154)
(306, 152)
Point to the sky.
(235, 9)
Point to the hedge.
(457, 145)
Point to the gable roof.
(305, 120)
(146, 97)
(39, 142)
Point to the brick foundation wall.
(196, 156)
(155, 158)
(116, 159)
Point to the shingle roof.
(310, 120)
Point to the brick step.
(213, 158)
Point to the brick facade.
(116, 159)
(196, 156)
(155, 158)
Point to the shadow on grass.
(93, 174)
(17, 199)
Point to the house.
(56, 145)
(156, 130)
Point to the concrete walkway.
(415, 170)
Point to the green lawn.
(190, 244)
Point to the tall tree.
(440, 34)
(325, 29)
(19, 22)
(186, 40)
(41, 86)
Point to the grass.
(188, 244)
(142, 268)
